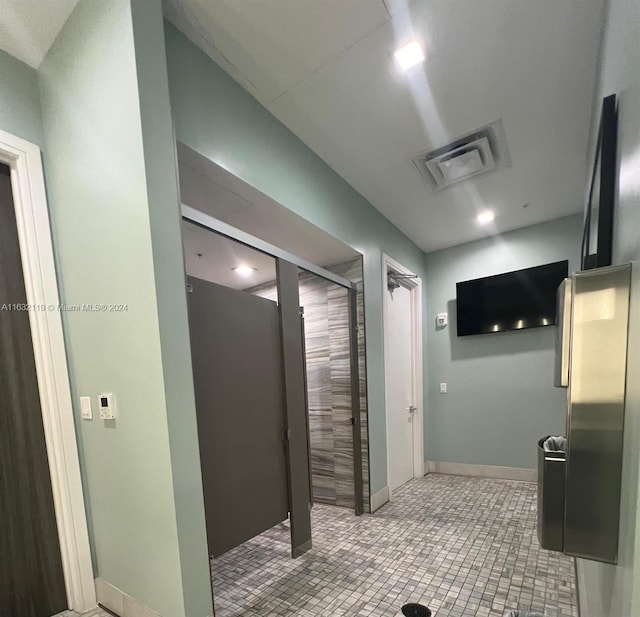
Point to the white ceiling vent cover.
(483, 151)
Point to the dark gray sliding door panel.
(31, 576)
(295, 406)
(237, 369)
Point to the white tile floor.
(466, 547)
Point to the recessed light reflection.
(409, 55)
(496, 327)
(545, 321)
(485, 217)
(244, 270)
(520, 323)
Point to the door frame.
(415, 286)
(38, 264)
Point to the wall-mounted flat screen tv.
(512, 301)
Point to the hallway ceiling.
(28, 28)
(326, 69)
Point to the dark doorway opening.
(31, 576)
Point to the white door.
(399, 385)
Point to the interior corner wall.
(170, 281)
(20, 112)
(99, 204)
(500, 394)
(216, 117)
(608, 590)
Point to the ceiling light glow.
(486, 217)
(244, 270)
(409, 55)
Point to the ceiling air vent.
(481, 152)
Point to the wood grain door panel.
(31, 575)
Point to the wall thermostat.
(442, 320)
(107, 405)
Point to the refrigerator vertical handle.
(563, 333)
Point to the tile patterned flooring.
(96, 612)
(466, 547)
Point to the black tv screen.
(512, 301)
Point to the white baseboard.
(119, 602)
(379, 499)
(482, 471)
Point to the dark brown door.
(31, 577)
(238, 380)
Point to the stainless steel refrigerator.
(579, 489)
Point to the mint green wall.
(166, 239)
(606, 590)
(19, 100)
(112, 213)
(500, 395)
(219, 119)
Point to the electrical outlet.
(442, 320)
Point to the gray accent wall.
(500, 396)
(352, 270)
(607, 590)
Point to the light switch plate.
(85, 408)
(442, 320)
(443, 388)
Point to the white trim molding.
(379, 498)
(415, 286)
(34, 234)
(521, 474)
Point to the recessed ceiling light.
(409, 55)
(486, 217)
(244, 270)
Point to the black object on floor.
(415, 610)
